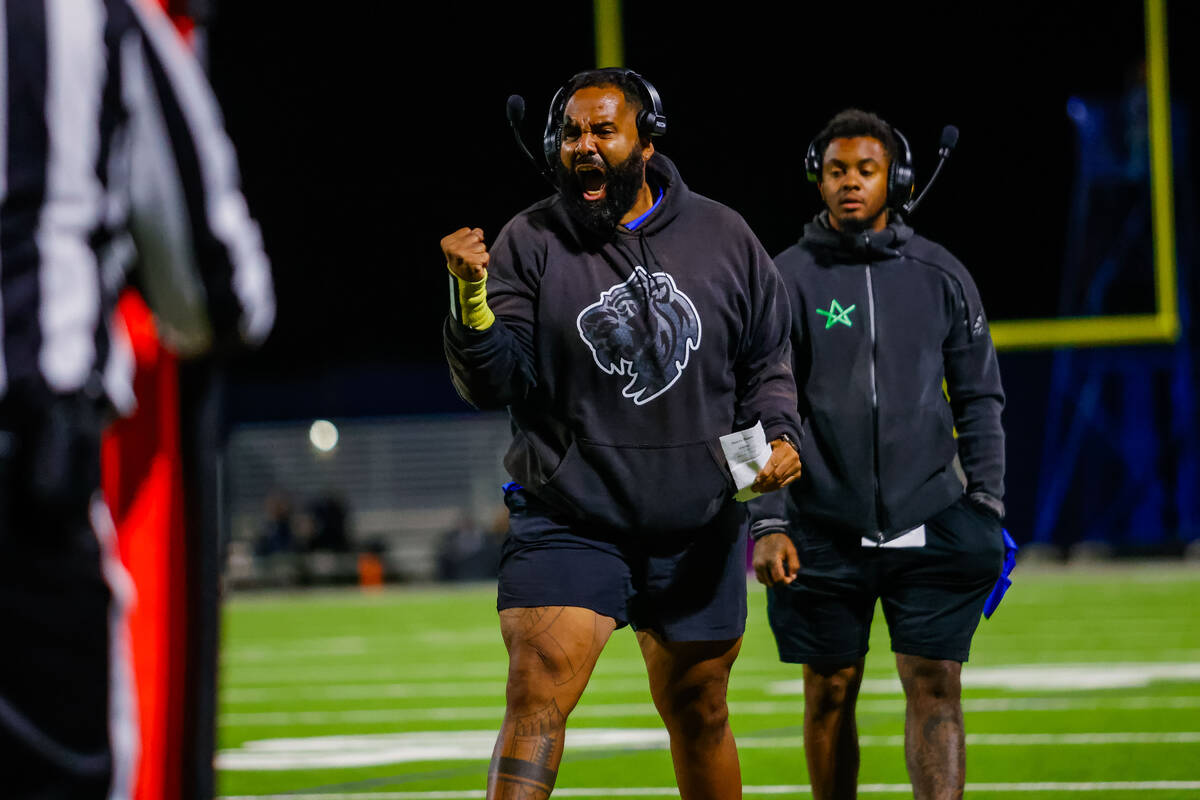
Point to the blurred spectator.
(326, 519)
(276, 537)
(470, 551)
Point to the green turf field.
(1086, 684)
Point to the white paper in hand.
(746, 452)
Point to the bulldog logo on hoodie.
(644, 328)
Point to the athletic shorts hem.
(720, 634)
(503, 605)
(932, 653)
(823, 658)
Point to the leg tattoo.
(936, 720)
(936, 756)
(934, 741)
(522, 771)
(543, 638)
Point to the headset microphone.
(947, 144)
(515, 111)
(949, 140)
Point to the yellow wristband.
(468, 303)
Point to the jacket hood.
(662, 175)
(857, 247)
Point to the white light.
(324, 435)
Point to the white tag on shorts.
(912, 538)
(746, 452)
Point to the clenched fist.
(466, 255)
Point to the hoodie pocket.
(654, 489)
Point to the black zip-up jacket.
(878, 320)
(622, 361)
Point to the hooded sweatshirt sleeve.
(493, 368)
(768, 512)
(976, 396)
(766, 389)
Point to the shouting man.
(626, 323)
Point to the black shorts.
(932, 595)
(54, 677)
(686, 587)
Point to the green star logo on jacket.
(836, 314)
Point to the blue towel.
(1010, 561)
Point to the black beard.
(622, 184)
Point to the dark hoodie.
(878, 320)
(621, 361)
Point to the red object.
(142, 481)
(143, 484)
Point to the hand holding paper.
(756, 467)
(782, 468)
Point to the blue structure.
(1121, 454)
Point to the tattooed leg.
(527, 766)
(934, 740)
(551, 653)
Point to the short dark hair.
(855, 122)
(611, 77)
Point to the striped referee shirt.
(113, 158)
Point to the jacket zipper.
(874, 413)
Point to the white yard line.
(1032, 677)
(1026, 677)
(374, 691)
(290, 674)
(737, 708)
(335, 647)
(999, 739)
(287, 672)
(369, 750)
(669, 791)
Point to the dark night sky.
(366, 136)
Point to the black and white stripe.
(227, 244)
(68, 279)
(22, 186)
(110, 136)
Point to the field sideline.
(1086, 683)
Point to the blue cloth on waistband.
(1010, 561)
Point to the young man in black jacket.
(626, 323)
(892, 504)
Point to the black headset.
(901, 176)
(650, 120)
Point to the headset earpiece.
(552, 137)
(651, 120)
(812, 163)
(902, 178)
